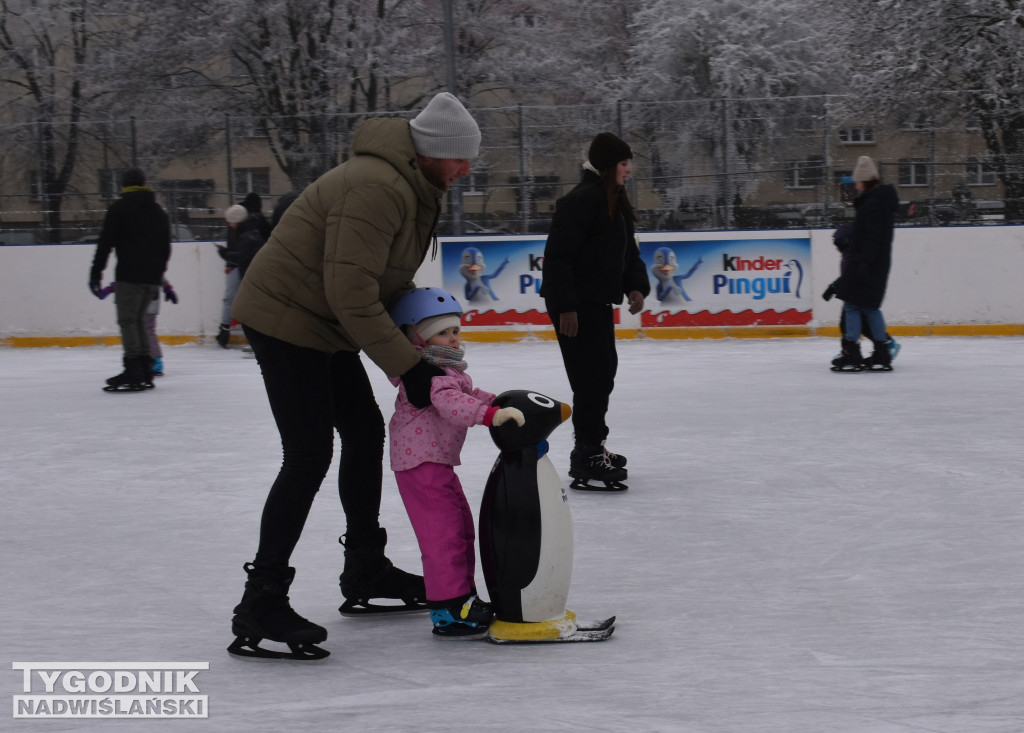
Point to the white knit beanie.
(866, 170)
(433, 325)
(236, 214)
(445, 130)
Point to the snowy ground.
(799, 551)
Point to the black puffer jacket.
(866, 259)
(138, 230)
(590, 257)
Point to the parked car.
(833, 215)
(179, 233)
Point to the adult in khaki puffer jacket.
(315, 295)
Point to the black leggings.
(312, 394)
(591, 362)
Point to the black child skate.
(881, 359)
(368, 574)
(265, 613)
(850, 360)
(465, 619)
(594, 463)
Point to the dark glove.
(107, 291)
(94, 286)
(417, 383)
(830, 291)
(169, 293)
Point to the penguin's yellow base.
(555, 630)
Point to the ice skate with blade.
(587, 464)
(850, 360)
(265, 613)
(369, 575)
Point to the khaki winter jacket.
(345, 250)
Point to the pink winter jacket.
(435, 434)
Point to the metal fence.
(707, 164)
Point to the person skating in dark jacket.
(138, 230)
(591, 260)
(864, 272)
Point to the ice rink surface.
(799, 551)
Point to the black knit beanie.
(133, 177)
(606, 151)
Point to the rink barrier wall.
(945, 281)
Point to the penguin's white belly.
(544, 598)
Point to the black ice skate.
(224, 335)
(881, 359)
(368, 574)
(265, 613)
(132, 379)
(850, 360)
(588, 464)
(616, 459)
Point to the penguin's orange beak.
(566, 411)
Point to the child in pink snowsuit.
(425, 447)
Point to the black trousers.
(312, 394)
(591, 362)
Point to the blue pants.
(855, 319)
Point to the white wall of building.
(944, 276)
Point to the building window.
(857, 135)
(476, 182)
(805, 173)
(187, 196)
(252, 180)
(108, 182)
(980, 172)
(35, 186)
(914, 172)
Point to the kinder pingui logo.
(789, 277)
(110, 690)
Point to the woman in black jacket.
(864, 272)
(591, 260)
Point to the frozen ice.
(799, 551)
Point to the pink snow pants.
(443, 523)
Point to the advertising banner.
(496, 280)
(711, 282)
(727, 282)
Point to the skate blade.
(580, 484)
(249, 649)
(595, 624)
(124, 388)
(352, 609)
(848, 369)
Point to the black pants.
(591, 362)
(312, 394)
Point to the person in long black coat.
(864, 273)
(591, 262)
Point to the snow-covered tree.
(51, 83)
(962, 56)
(729, 64)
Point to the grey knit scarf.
(445, 356)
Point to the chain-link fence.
(709, 164)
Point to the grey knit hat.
(236, 214)
(865, 170)
(445, 130)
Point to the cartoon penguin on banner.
(670, 286)
(526, 532)
(478, 286)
